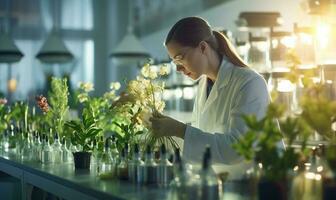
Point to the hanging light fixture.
(130, 47)
(9, 52)
(54, 49)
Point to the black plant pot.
(82, 160)
(275, 190)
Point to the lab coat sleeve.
(252, 98)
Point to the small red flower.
(42, 102)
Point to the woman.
(227, 89)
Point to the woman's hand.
(167, 126)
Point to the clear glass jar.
(304, 46)
(259, 54)
(242, 50)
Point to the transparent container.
(305, 46)
(5, 141)
(36, 147)
(12, 141)
(57, 149)
(242, 50)
(185, 185)
(27, 148)
(105, 163)
(47, 156)
(134, 167)
(164, 168)
(259, 54)
(66, 153)
(122, 169)
(149, 167)
(210, 185)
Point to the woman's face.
(189, 60)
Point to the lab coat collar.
(224, 73)
(223, 78)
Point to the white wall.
(225, 15)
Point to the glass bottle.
(164, 169)
(134, 166)
(95, 152)
(35, 145)
(184, 185)
(5, 142)
(47, 152)
(209, 181)
(57, 149)
(122, 169)
(149, 167)
(114, 156)
(66, 154)
(105, 164)
(12, 140)
(114, 149)
(26, 149)
(20, 140)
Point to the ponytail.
(225, 47)
(190, 31)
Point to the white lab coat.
(217, 120)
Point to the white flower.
(153, 75)
(115, 86)
(145, 70)
(148, 71)
(82, 97)
(160, 105)
(87, 87)
(164, 70)
(110, 95)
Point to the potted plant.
(84, 132)
(320, 113)
(261, 144)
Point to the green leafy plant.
(3, 115)
(85, 130)
(263, 137)
(320, 112)
(57, 112)
(100, 105)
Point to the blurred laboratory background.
(101, 41)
